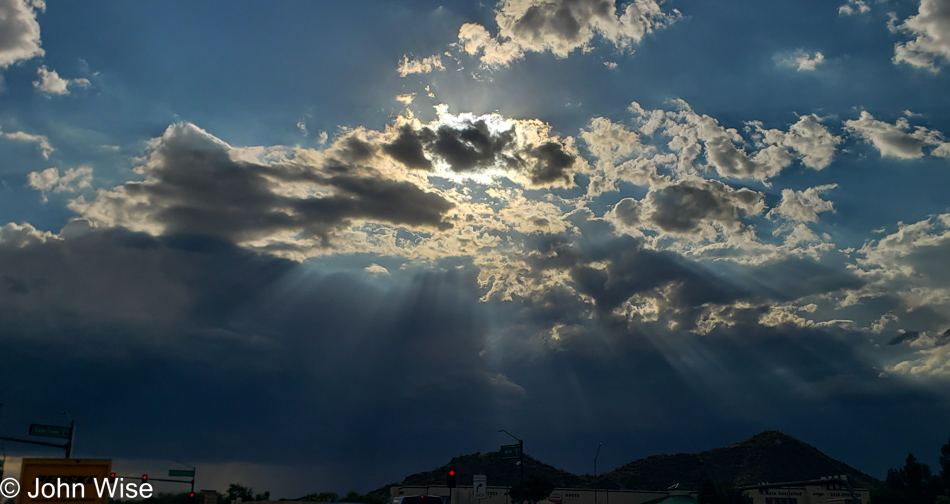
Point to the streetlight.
(520, 453)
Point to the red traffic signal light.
(450, 477)
(111, 475)
(192, 494)
(144, 478)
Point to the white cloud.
(931, 29)
(302, 126)
(41, 141)
(52, 84)
(853, 7)
(72, 180)
(803, 61)
(21, 235)
(810, 139)
(803, 206)
(376, 270)
(608, 141)
(611, 65)
(561, 27)
(907, 268)
(19, 32)
(929, 362)
(898, 140)
(425, 65)
(405, 99)
(693, 134)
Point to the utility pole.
(595, 470)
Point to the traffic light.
(144, 478)
(450, 477)
(111, 475)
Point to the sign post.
(54, 431)
(480, 486)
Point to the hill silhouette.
(767, 456)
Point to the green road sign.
(182, 473)
(510, 451)
(49, 431)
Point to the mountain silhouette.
(768, 456)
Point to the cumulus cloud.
(197, 184)
(52, 84)
(608, 141)
(812, 141)
(898, 140)
(19, 32)
(930, 362)
(692, 134)
(803, 206)
(41, 141)
(375, 269)
(803, 61)
(930, 28)
(900, 271)
(696, 207)
(21, 235)
(72, 180)
(428, 64)
(561, 27)
(853, 7)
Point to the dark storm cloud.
(551, 165)
(194, 186)
(409, 148)
(683, 207)
(201, 350)
(613, 270)
(904, 337)
(472, 145)
(189, 347)
(355, 150)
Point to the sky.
(319, 246)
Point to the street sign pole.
(72, 438)
(506, 452)
(183, 474)
(55, 431)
